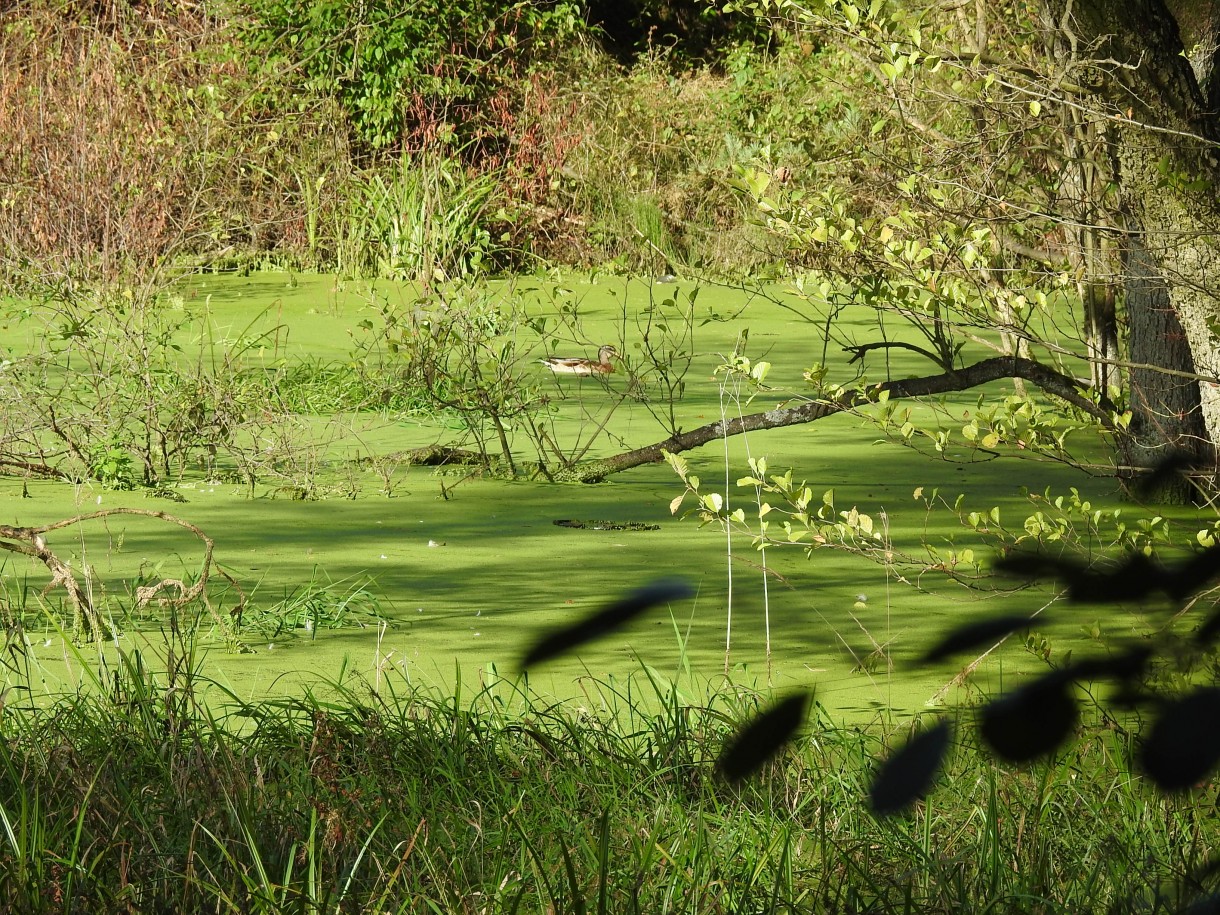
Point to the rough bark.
(1166, 408)
(1167, 416)
(1151, 66)
(1138, 57)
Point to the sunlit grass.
(397, 799)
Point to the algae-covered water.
(452, 576)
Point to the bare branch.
(31, 541)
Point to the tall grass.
(136, 796)
(425, 221)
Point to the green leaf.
(678, 463)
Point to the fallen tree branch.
(28, 467)
(32, 542)
(1053, 382)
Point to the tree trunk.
(1100, 315)
(1177, 265)
(1167, 414)
(1149, 69)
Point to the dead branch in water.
(170, 592)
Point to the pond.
(395, 573)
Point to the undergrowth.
(138, 795)
(229, 141)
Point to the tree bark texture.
(1167, 416)
(1162, 101)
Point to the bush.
(410, 75)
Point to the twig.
(31, 541)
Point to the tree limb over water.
(1049, 380)
(88, 622)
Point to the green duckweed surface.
(451, 574)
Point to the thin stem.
(728, 545)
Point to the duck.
(566, 366)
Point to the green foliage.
(459, 346)
(803, 516)
(400, 800)
(903, 221)
(367, 381)
(111, 466)
(317, 605)
(110, 386)
(426, 221)
(127, 391)
(649, 173)
(408, 75)
(564, 155)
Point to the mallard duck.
(603, 365)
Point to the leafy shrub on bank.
(273, 134)
(410, 75)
